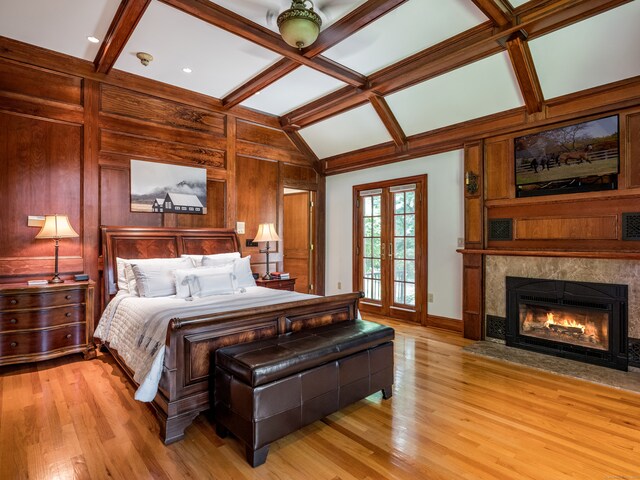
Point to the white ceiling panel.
(410, 28)
(62, 26)
(517, 3)
(265, 12)
(478, 89)
(596, 51)
(301, 86)
(220, 61)
(352, 130)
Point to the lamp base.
(267, 277)
(56, 279)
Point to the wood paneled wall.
(589, 222)
(66, 141)
(582, 224)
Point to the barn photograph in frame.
(577, 158)
(164, 188)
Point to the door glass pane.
(399, 270)
(404, 248)
(410, 206)
(371, 246)
(399, 224)
(410, 251)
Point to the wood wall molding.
(124, 22)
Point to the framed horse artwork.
(580, 157)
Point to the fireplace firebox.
(577, 320)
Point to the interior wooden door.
(390, 245)
(298, 234)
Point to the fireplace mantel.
(551, 253)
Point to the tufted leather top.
(264, 361)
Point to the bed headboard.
(159, 242)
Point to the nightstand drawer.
(52, 317)
(277, 284)
(22, 343)
(36, 300)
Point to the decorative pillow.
(218, 259)
(155, 277)
(242, 272)
(122, 277)
(204, 281)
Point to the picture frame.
(166, 188)
(575, 158)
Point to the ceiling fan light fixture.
(299, 25)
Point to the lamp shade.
(56, 226)
(266, 233)
(299, 25)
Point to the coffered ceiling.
(380, 72)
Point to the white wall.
(446, 224)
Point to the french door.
(390, 246)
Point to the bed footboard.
(191, 344)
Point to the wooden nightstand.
(286, 284)
(45, 321)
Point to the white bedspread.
(136, 327)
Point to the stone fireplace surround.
(597, 270)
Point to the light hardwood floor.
(452, 416)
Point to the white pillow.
(122, 277)
(219, 259)
(155, 277)
(204, 281)
(242, 272)
(184, 277)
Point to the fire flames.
(588, 329)
(564, 323)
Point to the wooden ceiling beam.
(525, 71)
(265, 78)
(327, 106)
(389, 120)
(124, 22)
(470, 46)
(347, 25)
(232, 22)
(498, 11)
(305, 149)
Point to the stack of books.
(280, 275)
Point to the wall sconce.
(471, 182)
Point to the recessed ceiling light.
(187, 70)
(93, 39)
(258, 92)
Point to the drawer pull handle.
(68, 314)
(13, 301)
(68, 335)
(13, 321)
(14, 344)
(67, 297)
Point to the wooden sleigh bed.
(191, 341)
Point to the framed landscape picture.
(164, 188)
(577, 158)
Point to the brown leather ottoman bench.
(267, 389)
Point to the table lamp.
(266, 233)
(56, 227)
